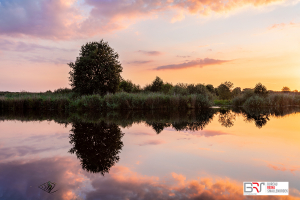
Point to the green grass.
(270, 100)
(67, 101)
(118, 101)
(222, 102)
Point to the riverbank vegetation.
(97, 85)
(158, 95)
(118, 101)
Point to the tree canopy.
(260, 89)
(285, 89)
(224, 90)
(96, 70)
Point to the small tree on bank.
(224, 90)
(285, 89)
(96, 70)
(236, 91)
(260, 89)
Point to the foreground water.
(193, 155)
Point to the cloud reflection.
(20, 179)
(123, 183)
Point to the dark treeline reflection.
(261, 116)
(96, 145)
(192, 121)
(159, 120)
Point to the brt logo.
(253, 187)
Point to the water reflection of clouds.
(247, 153)
(142, 133)
(208, 133)
(19, 151)
(41, 138)
(152, 142)
(20, 180)
(205, 133)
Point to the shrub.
(254, 101)
(236, 91)
(239, 100)
(128, 86)
(210, 88)
(179, 89)
(166, 88)
(260, 89)
(285, 89)
(201, 89)
(224, 90)
(157, 85)
(62, 91)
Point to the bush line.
(249, 100)
(118, 101)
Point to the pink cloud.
(151, 53)
(142, 133)
(194, 63)
(283, 25)
(61, 19)
(50, 19)
(11, 45)
(208, 133)
(282, 167)
(140, 62)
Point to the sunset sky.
(189, 41)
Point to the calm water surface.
(193, 155)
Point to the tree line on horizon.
(97, 70)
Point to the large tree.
(96, 70)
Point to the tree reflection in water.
(158, 127)
(96, 145)
(260, 117)
(226, 118)
(193, 121)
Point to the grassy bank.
(118, 101)
(222, 102)
(66, 101)
(251, 100)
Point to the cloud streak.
(9, 45)
(152, 142)
(183, 56)
(194, 63)
(282, 167)
(151, 53)
(208, 133)
(140, 62)
(283, 25)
